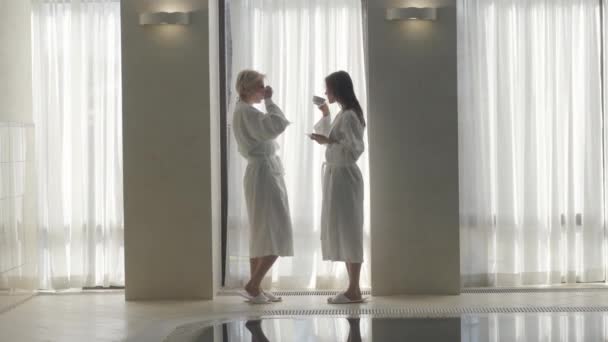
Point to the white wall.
(15, 61)
(413, 138)
(18, 252)
(167, 174)
(214, 135)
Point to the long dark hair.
(341, 85)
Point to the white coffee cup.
(317, 100)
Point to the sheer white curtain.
(296, 43)
(530, 142)
(77, 114)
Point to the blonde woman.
(265, 192)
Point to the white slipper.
(272, 297)
(341, 298)
(259, 299)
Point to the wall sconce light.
(411, 13)
(164, 18)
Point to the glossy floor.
(106, 316)
(470, 328)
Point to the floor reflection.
(257, 333)
(546, 327)
(305, 329)
(255, 328)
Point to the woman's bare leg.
(263, 264)
(253, 264)
(354, 291)
(347, 269)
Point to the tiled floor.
(105, 316)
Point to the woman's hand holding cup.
(324, 109)
(268, 92)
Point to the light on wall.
(411, 13)
(164, 18)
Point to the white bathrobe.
(265, 192)
(342, 207)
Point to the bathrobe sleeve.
(267, 126)
(350, 140)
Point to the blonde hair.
(246, 82)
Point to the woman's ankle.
(354, 293)
(252, 290)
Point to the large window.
(531, 142)
(296, 43)
(78, 129)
